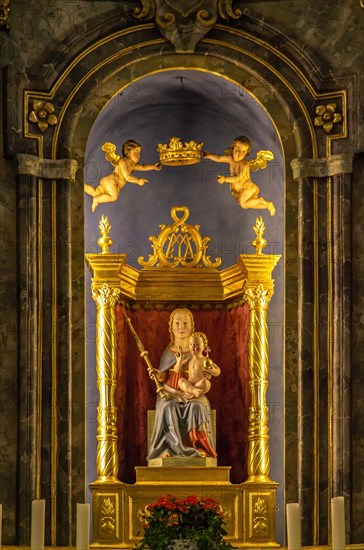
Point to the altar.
(180, 273)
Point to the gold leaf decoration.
(107, 516)
(260, 516)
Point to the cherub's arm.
(146, 167)
(210, 368)
(125, 172)
(216, 158)
(229, 179)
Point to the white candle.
(1, 522)
(293, 511)
(83, 527)
(37, 529)
(338, 523)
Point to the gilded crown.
(177, 154)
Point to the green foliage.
(170, 519)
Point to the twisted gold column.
(258, 298)
(106, 458)
(258, 293)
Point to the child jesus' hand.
(220, 179)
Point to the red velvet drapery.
(228, 333)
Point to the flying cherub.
(110, 186)
(243, 189)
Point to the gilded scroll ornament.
(4, 12)
(43, 115)
(176, 153)
(185, 23)
(107, 516)
(327, 116)
(260, 517)
(179, 244)
(105, 295)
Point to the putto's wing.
(110, 153)
(261, 160)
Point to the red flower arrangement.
(170, 519)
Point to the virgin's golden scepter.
(145, 354)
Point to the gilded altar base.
(249, 507)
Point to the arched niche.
(269, 67)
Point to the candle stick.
(1, 522)
(83, 527)
(293, 511)
(37, 528)
(338, 523)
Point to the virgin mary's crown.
(178, 154)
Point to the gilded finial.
(259, 242)
(104, 241)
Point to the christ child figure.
(243, 189)
(110, 186)
(199, 368)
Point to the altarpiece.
(181, 273)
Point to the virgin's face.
(181, 325)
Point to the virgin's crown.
(178, 154)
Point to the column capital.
(322, 167)
(258, 296)
(52, 169)
(105, 295)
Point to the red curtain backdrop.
(228, 333)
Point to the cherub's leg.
(110, 195)
(249, 199)
(93, 191)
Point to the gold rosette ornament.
(42, 115)
(327, 116)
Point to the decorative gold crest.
(179, 244)
(178, 154)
